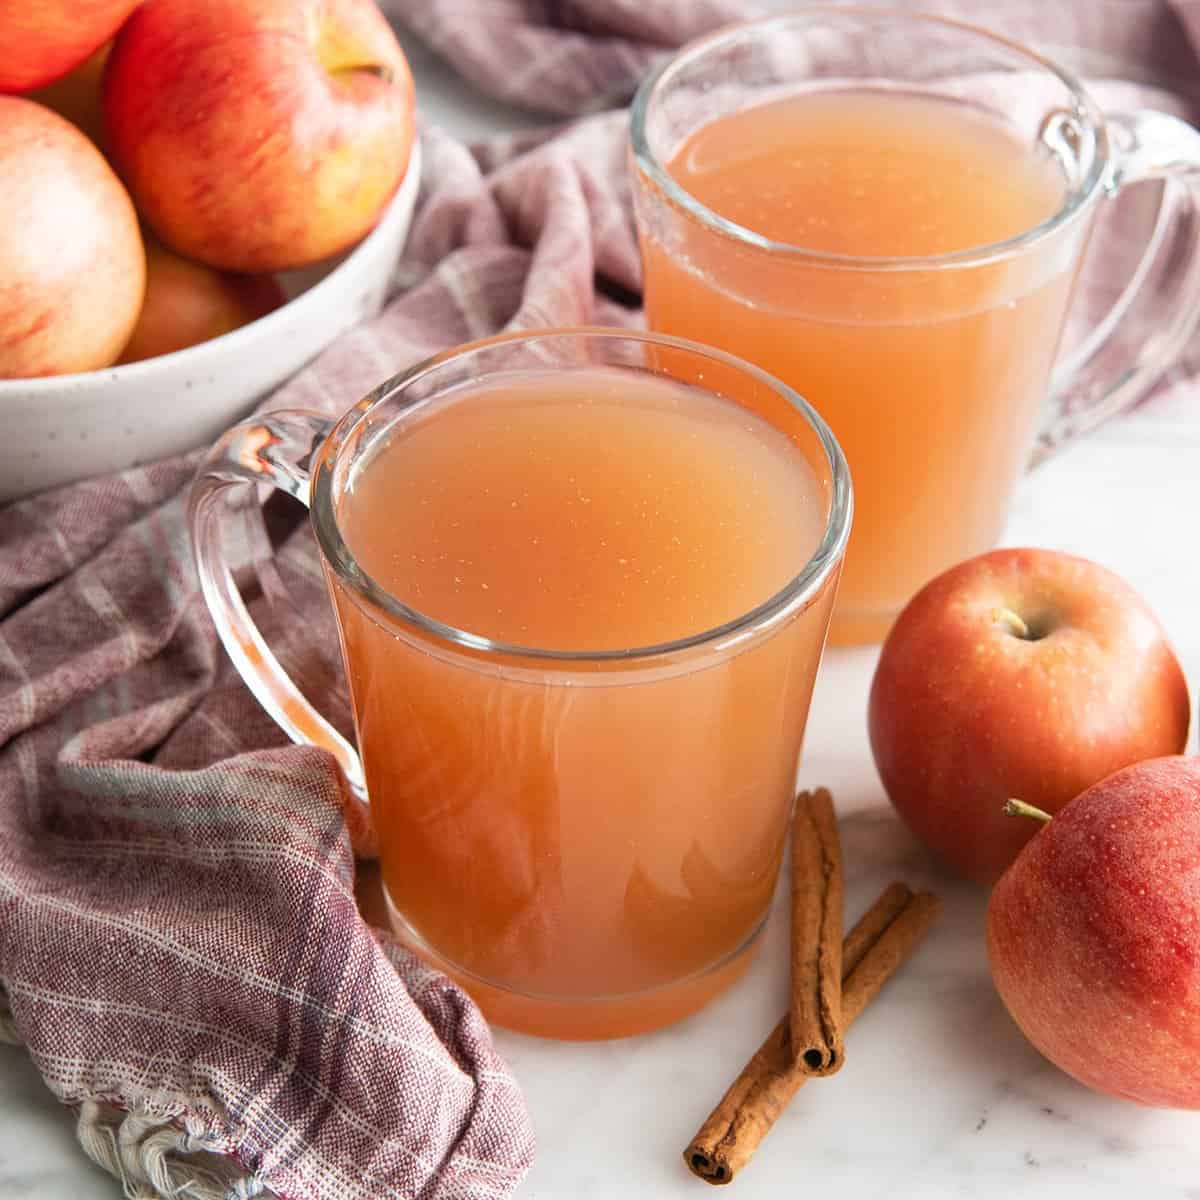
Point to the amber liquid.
(590, 848)
(931, 380)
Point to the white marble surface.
(940, 1097)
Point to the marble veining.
(941, 1098)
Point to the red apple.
(258, 135)
(72, 269)
(187, 302)
(1023, 673)
(41, 40)
(1094, 935)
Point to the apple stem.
(1011, 621)
(1018, 808)
(379, 70)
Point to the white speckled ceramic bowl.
(65, 427)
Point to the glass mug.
(588, 841)
(932, 370)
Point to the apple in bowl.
(76, 95)
(1020, 673)
(188, 303)
(259, 135)
(72, 268)
(44, 39)
(335, 162)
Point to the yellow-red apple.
(1094, 935)
(188, 302)
(76, 95)
(72, 268)
(1024, 673)
(259, 135)
(41, 40)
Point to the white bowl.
(61, 428)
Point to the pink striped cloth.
(180, 949)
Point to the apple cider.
(931, 377)
(590, 845)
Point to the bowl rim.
(398, 212)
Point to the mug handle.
(1103, 377)
(276, 449)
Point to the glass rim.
(1077, 200)
(794, 595)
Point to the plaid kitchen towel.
(180, 950)
(574, 56)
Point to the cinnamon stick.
(883, 938)
(815, 1017)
